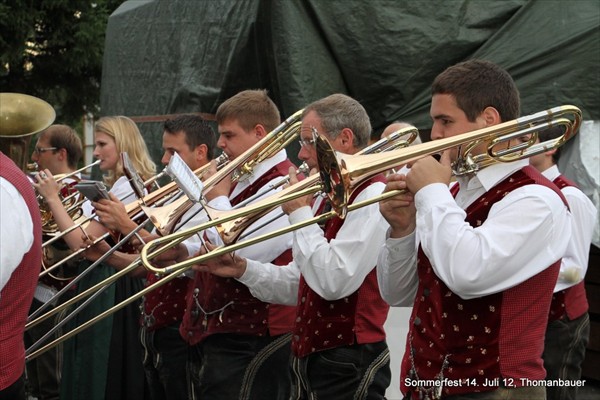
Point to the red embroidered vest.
(228, 305)
(495, 336)
(165, 305)
(357, 318)
(570, 302)
(17, 294)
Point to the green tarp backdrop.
(164, 57)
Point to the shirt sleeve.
(271, 283)
(16, 230)
(337, 268)
(397, 271)
(575, 261)
(524, 233)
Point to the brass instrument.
(241, 167)
(21, 117)
(341, 177)
(165, 218)
(72, 202)
(396, 140)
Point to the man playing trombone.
(338, 336)
(480, 260)
(242, 343)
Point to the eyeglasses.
(41, 150)
(305, 142)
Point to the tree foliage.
(53, 50)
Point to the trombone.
(165, 218)
(344, 176)
(241, 168)
(339, 178)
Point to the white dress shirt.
(524, 233)
(333, 269)
(268, 250)
(575, 261)
(16, 230)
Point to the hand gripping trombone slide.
(339, 178)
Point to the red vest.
(165, 305)
(495, 336)
(17, 294)
(357, 318)
(570, 302)
(227, 306)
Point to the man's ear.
(62, 154)
(260, 131)
(491, 116)
(201, 152)
(346, 138)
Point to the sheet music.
(186, 179)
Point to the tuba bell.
(21, 117)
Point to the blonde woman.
(105, 361)
(112, 136)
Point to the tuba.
(21, 117)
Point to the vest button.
(426, 292)
(417, 321)
(190, 334)
(296, 338)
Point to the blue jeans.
(360, 371)
(564, 351)
(243, 367)
(165, 359)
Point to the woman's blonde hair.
(128, 139)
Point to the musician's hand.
(138, 244)
(428, 170)
(226, 266)
(399, 211)
(173, 255)
(47, 186)
(113, 215)
(221, 188)
(303, 201)
(94, 252)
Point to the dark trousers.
(505, 393)
(15, 391)
(360, 371)
(165, 361)
(43, 372)
(242, 367)
(564, 352)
